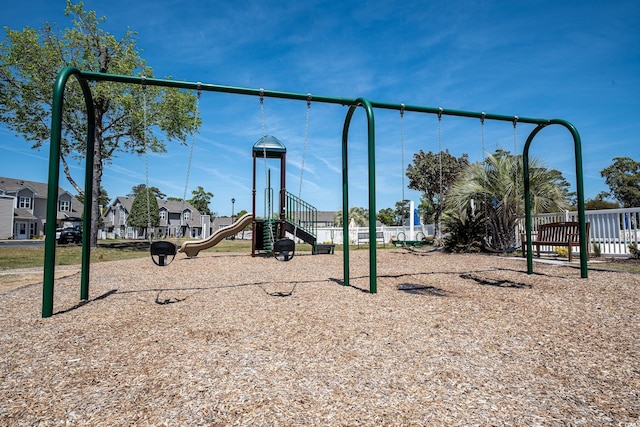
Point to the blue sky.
(573, 60)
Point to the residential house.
(23, 208)
(176, 219)
(325, 218)
(321, 219)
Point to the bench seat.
(564, 234)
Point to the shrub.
(463, 235)
(633, 249)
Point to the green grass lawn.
(113, 250)
(12, 257)
(110, 250)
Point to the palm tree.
(494, 193)
(358, 215)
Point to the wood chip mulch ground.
(226, 339)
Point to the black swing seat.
(284, 249)
(161, 251)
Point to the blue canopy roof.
(270, 145)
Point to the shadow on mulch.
(413, 289)
(341, 283)
(195, 290)
(85, 302)
(490, 281)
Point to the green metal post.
(371, 138)
(88, 191)
(371, 147)
(345, 194)
(582, 222)
(52, 192)
(584, 244)
(527, 196)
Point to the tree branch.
(67, 173)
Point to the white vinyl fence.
(335, 235)
(612, 229)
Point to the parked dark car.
(68, 235)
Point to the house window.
(186, 215)
(162, 213)
(122, 218)
(25, 202)
(65, 205)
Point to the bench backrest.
(559, 231)
(365, 235)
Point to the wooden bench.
(363, 237)
(565, 234)
(324, 248)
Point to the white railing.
(335, 234)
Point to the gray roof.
(23, 214)
(326, 216)
(126, 202)
(11, 186)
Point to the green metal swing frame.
(84, 77)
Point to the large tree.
(492, 194)
(29, 63)
(201, 199)
(433, 174)
(145, 213)
(600, 202)
(623, 179)
(387, 216)
(142, 187)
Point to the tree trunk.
(501, 229)
(95, 199)
(97, 177)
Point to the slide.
(192, 247)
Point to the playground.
(230, 339)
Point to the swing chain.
(402, 171)
(485, 179)
(482, 117)
(515, 161)
(262, 115)
(146, 152)
(304, 145)
(304, 153)
(268, 219)
(440, 195)
(193, 143)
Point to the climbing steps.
(301, 220)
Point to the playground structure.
(294, 215)
(84, 77)
(413, 239)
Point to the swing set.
(84, 77)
